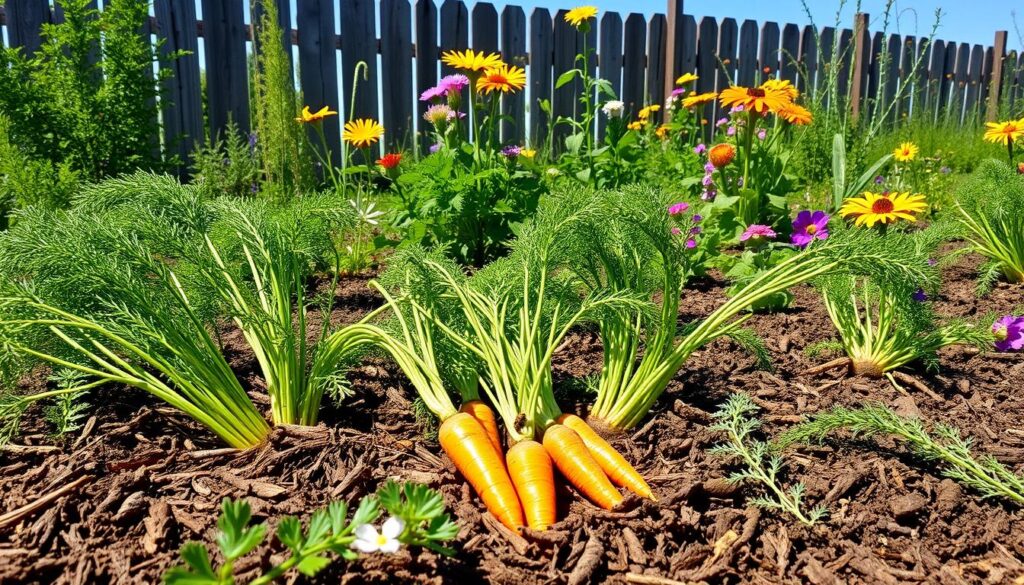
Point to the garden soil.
(114, 502)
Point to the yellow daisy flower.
(637, 125)
(527, 152)
(308, 117)
(905, 152)
(782, 85)
(469, 60)
(502, 78)
(362, 133)
(581, 14)
(646, 112)
(756, 99)
(662, 131)
(699, 99)
(795, 114)
(686, 78)
(871, 208)
(1004, 132)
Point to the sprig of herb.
(736, 419)
(330, 530)
(945, 445)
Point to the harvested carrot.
(465, 441)
(483, 413)
(572, 458)
(611, 461)
(534, 478)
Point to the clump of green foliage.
(944, 446)
(128, 288)
(229, 165)
(277, 138)
(884, 324)
(736, 419)
(330, 531)
(991, 218)
(87, 97)
(26, 181)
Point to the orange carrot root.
(485, 416)
(611, 461)
(534, 478)
(466, 442)
(572, 458)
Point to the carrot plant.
(642, 355)
(991, 214)
(127, 290)
(417, 518)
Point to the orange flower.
(390, 160)
(662, 131)
(1020, 168)
(756, 99)
(502, 78)
(699, 99)
(795, 114)
(308, 117)
(721, 155)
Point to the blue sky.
(973, 21)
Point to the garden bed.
(135, 487)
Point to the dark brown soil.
(144, 480)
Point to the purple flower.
(761, 134)
(691, 243)
(1009, 333)
(453, 83)
(676, 231)
(932, 262)
(919, 295)
(731, 131)
(678, 92)
(707, 181)
(809, 226)
(736, 109)
(700, 149)
(696, 218)
(709, 194)
(721, 122)
(677, 208)
(879, 180)
(511, 151)
(695, 230)
(435, 147)
(709, 168)
(252, 141)
(757, 230)
(434, 92)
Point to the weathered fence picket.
(639, 55)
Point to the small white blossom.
(368, 540)
(613, 108)
(553, 172)
(366, 214)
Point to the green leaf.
(235, 538)
(869, 174)
(566, 77)
(838, 171)
(310, 566)
(197, 558)
(289, 532)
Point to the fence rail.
(640, 57)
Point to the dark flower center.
(756, 92)
(882, 205)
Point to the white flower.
(613, 108)
(368, 540)
(366, 214)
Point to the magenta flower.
(691, 243)
(699, 149)
(761, 134)
(920, 296)
(677, 208)
(757, 230)
(434, 92)
(1009, 333)
(511, 151)
(453, 83)
(809, 226)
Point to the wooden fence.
(640, 57)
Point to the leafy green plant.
(419, 509)
(26, 181)
(991, 216)
(229, 164)
(87, 97)
(944, 446)
(841, 188)
(737, 421)
(130, 295)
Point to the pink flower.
(453, 83)
(691, 243)
(1009, 333)
(677, 208)
(676, 231)
(757, 230)
(808, 227)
